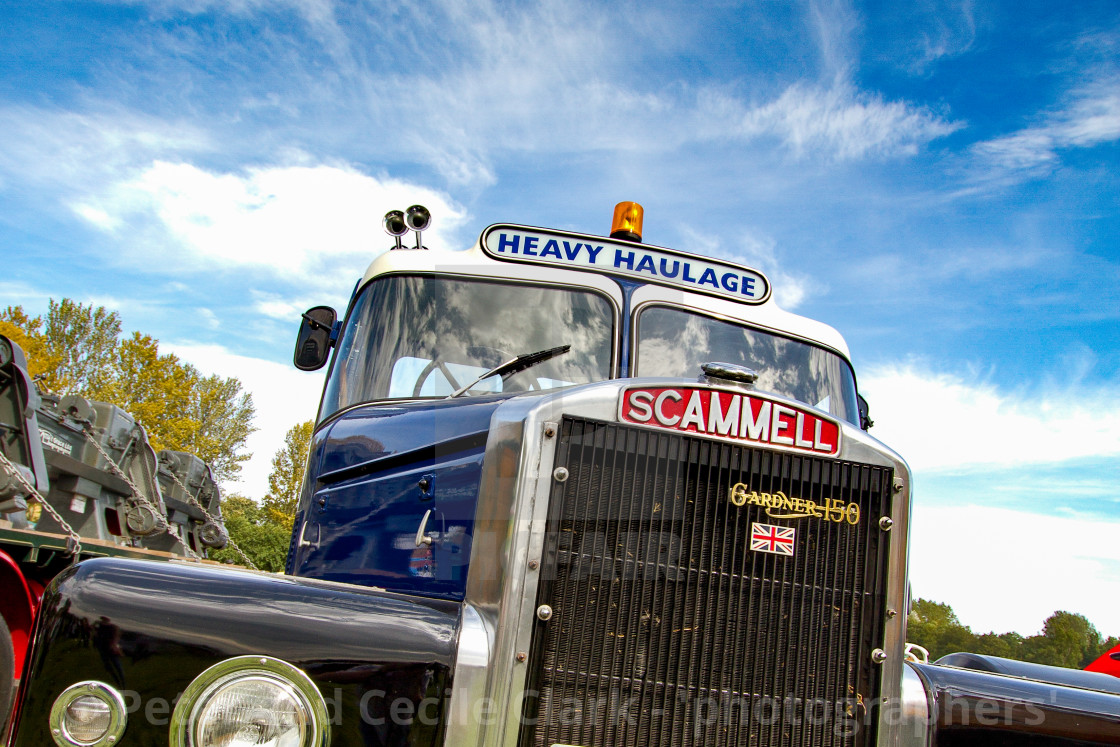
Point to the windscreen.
(429, 336)
(675, 342)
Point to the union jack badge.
(772, 539)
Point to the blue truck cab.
(406, 410)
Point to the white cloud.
(209, 318)
(1003, 570)
(919, 34)
(278, 307)
(835, 23)
(18, 293)
(485, 83)
(843, 122)
(514, 81)
(513, 108)
(294, 221)
(950, 31)
(73, 150)
(1094, 117)
(282, 397)
(1090, 117)
(944, 422)
(758, 252)
(317, 14)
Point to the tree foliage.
(222, 419)
(27, 333)
(1066, 640)
(83, 341)
(253, 530)
(78, 349)
(288, 468)
(263, 531)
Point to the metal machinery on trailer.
(564, 490)
(78, 479)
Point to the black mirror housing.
(313, 345)
(865, 421)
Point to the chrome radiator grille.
(668, 630)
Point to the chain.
(210, 516)
(161, 521)
(73, 541)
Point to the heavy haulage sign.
(640, 262)
(734, 416)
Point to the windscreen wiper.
(514, 365)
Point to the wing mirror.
(316, 336)
(865, 421)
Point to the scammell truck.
(564, 490)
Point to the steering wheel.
(433, 365)
(532, 383)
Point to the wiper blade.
(514, 365)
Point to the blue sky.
(938, 180)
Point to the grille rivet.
(898, 486)
(544, 612)
(560, 474)
(522, 656)
(878, 656)
(886, 523)
(891, 614)
(549, 431)
(533, 565)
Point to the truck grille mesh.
(668, 630)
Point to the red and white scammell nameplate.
(732, 416)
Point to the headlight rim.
(221, 674)
(118, 714)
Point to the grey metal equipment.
(192, 499)
(91, 469)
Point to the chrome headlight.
(251, 700)
(88, 714)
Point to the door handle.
(422, 538)
(318, 536)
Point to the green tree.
(1007, 645)
(153, 388)
(935, 627)
(78, 350)
(26, 332)
(288, 468)
(1067, 640)
(263, 530)
(83, 340)
(252, 529)
(219, 419)
(72, 349)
